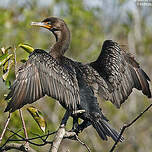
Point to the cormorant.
(75, 85)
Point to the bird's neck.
(62, 43)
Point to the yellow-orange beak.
(42, 24)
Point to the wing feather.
(43, 75)
(121, 72)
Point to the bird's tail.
(104, 129)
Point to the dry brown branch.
(68, 135)
(82, 143)
(6, 142)
(21, 147)
(125, 126)
(62, 133)
(27, 140)
(57, 139)
(23, 124)
(59, 136)
(5, 127)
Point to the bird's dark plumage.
(43, 75)
(121, 73)
(112, 76)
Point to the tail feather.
(104, 129)
(101, 131)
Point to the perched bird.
(75, 85)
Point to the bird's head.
(51, 23)
(54, 24)
(61, 32)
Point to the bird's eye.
(49, 23)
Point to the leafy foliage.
(6, 63)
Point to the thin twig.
(8, 140)
(68, 134)
(127, 126)
(30, 139)
(42, 136)
(5, 127)
(38, 136)
(73, 136)
(45, 139)
(23, 124)
(24, 139)
(82, 143)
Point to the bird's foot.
(76, 130)
(79, 128)
(78, 111)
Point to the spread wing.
(121, 73)
(42, 75)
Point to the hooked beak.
(42, 24)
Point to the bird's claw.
(78, 111)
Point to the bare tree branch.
(125, 126)
(23, 124)
(72, 135)
(57, 139)
(5, 127)
(68, 134)
(88, 149)
(24, 139)
(21, 147)
(7, 141)
(60, 133)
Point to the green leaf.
(5, 75)
(5, 67)
(4, 58)
(26, 47)
(38, 117)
